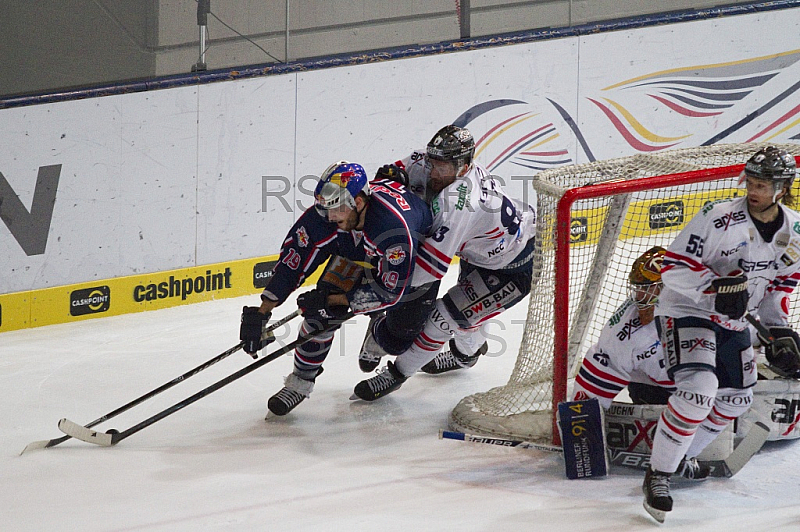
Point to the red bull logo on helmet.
(342, 178)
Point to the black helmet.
(772, 164)
(452, 144)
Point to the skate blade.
(658, 515)
(354, 397)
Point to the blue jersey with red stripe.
(395, 222)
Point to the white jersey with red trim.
(626, 351)
(722, 240)
(472, 218)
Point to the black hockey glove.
(313, 305)
(731, 297)
(253, 331)
(783, 351)
(392, 173)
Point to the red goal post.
(594, 219)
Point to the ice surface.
(331, 465)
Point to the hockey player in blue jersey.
(371, 233)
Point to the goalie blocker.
(583, 435)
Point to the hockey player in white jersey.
(628, 352)
(734, 256)
(492, 235)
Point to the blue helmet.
(339, 185)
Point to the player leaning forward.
(377, 228)
(734, 256)
(492, 235)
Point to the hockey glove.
(731, 297)
(313, 305)
(392, 173)
(782, 351)
(253, 331)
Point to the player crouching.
(628, 352)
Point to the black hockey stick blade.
(113, 437)
(44, 444)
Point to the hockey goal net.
(594, 219)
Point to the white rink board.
(126, 193)
(379, 113)
(173, 178)
(246, 132)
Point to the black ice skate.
(294, 391)
(691, 469)
(371, 353)
(385, 382)
(452, 359)
(657, 500)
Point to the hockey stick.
(112, 437)
(727, 467)
(763, 331)
(502, 442)
(43, 444)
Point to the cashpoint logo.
(262, 273)
(183, 288)
(89, 300)
(578, 230)
(666, 214)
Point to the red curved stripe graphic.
(680, 109)
(776, 123)
(629, 138)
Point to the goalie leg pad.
(583, 437)
(776, 403)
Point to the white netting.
(606, 234)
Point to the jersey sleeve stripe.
(599, 392)
(600, 374)
(674, 259)
(423, 254)
(437, 253)
(425, 266)
(587, 379)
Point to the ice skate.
(371, 353)
(452, 359)
(657, 500)
(385, 382)
(692, 469)
(294, 392)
